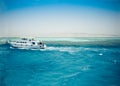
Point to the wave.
(3, 41)
(75, 41)
(52, 48)
(64, 49)
(71, 75)
(20, 48)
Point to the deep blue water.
(95, 62)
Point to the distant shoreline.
(59, 35)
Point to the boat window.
(39, 43)
(33, 42)
(24, 38)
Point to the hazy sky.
(34, 17)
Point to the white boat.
(27, 44)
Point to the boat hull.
(27, 46)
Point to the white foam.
(70, 50)
(85, 68)
(63, 49)
(71, 75)
(100, 54)
(114, 61)
(11, 48)
(19, 48)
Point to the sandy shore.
(63, 35)
(76, 35)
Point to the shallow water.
(95, 62)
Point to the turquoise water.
(65, 62)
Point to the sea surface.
(65, 62)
